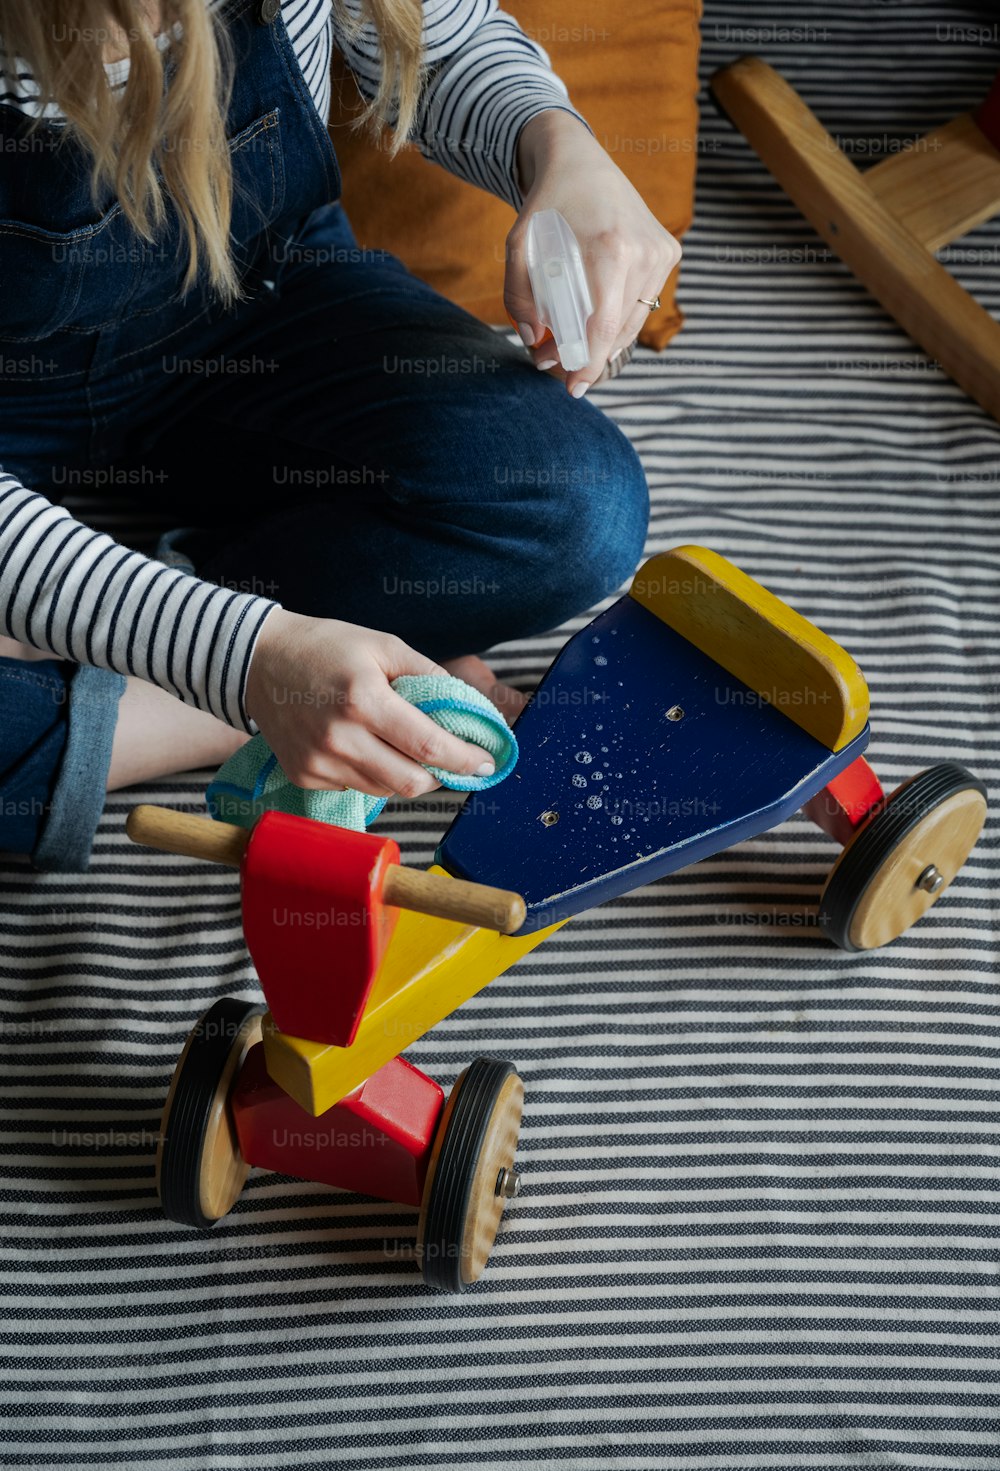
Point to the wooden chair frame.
(887, 222)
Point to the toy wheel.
(199, 1168)
(470, 1177)
(903, 857)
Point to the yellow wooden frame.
(430, 968)
(760, 640)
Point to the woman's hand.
(626, 251)
(319, 692)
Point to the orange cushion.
(630, 69)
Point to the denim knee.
(588, 533)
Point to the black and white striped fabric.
(761, 1207)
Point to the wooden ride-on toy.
(887, 222)
(391, 1136)
(696, 711)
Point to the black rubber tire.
(448, 1204)
(183, 1131)
(877, 838)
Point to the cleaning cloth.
(252, 781)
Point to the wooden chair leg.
(943, 187)
(888, 258)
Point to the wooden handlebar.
(407, 888)
(448, 898)
(182, 832)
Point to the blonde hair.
(178, 132)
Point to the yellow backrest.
(753, 635)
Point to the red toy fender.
(377, 1140)
(315, 922)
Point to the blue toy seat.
(611, 792)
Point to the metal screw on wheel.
(199, 1169)
(470, 1175)
(903, 857)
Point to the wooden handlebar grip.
(458, 899)
(407, 888)
(182, 832)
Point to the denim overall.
(79, 290)
(70, 268)
(346, 440)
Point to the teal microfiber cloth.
(252, 781)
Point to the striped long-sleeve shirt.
(78, 593)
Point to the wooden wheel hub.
(902, 859)
(469, 1176)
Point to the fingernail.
(579, 389)
(547, 363)
(487, 769)
(527, 333)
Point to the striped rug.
(761, 1218)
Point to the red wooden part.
(844, 803)
(376, 1141)
(314, 921)
(987, 115)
